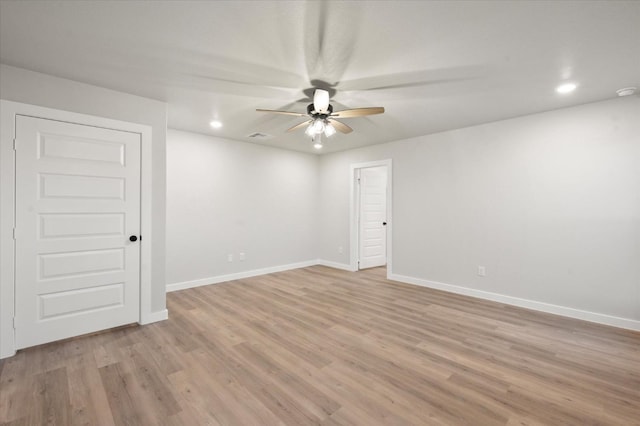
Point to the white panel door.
(77, 204)
(372, 217)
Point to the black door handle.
(133, 238)
(384, 223)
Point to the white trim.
(8, 112)
(353, 207)
(238, 275)
(523, 303)
(335, 265)
(156, 316)
(7, 197)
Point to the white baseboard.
(523, 303)
(238, 275)
(155, 317)
(7, 353)
(336, 265)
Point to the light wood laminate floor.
(327, 347)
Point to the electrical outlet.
(340, 250)
(482, 271)
(241, 257)
(229, 258)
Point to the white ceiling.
(450, 64)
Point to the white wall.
(30, 87)
(549, 203)
(226, 197)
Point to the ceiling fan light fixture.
(318, 126)
(329, 130)
(215, 124)
(309, 131)
(321, 100)
(317, 145)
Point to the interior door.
(77, 204)
(372, 218)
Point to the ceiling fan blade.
(331, 33)
(413, 78)
(341, 127)
(299, 126)
(297, 114)
(358, 112)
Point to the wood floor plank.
(121, 399)
(319, 346)
(51, 403)
(88, 398)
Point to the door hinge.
(14, 144)
(14, 323)
(14, 233)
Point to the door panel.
(54, 146)
(373, 211)
(66, 186)
(81, 225)
(77, 202)
(66, 265)
(81, 301)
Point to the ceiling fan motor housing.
(312, 112)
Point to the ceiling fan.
(323, 118)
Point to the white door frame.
(8, 112)
(353, 212)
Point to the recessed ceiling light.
(627, 91)
(317, 145)
(566, 88)
(215, 124)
